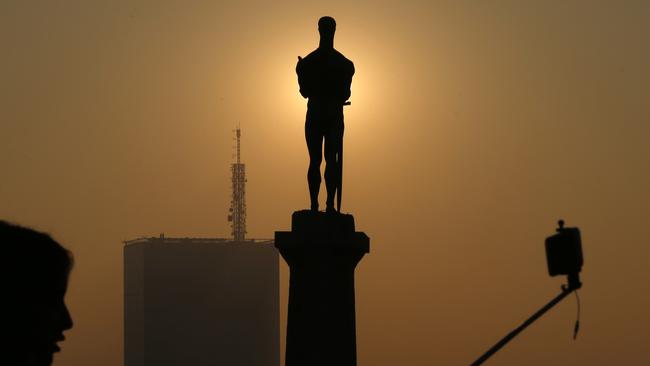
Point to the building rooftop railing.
(169, 240)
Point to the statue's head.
(326, 27)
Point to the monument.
(325, 76)
(323, 248)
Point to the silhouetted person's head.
(326, 29)
(34, 277)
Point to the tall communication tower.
(237, 215)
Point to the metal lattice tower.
(237, 215)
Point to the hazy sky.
(474, 126)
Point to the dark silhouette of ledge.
(322, 250)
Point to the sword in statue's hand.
(339, 188)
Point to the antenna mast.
(237, 215)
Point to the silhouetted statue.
(34, 277)
(323, 249)
(325, 76)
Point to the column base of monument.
(322, 251)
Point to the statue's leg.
(314, 138)
(333, 141)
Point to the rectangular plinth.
(322, 251)
(322, 235)
(321, 223)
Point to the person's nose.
(66, 319)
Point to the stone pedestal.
(322, 251)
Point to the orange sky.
(473, 128)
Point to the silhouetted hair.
(326, 26)
(32, 262)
